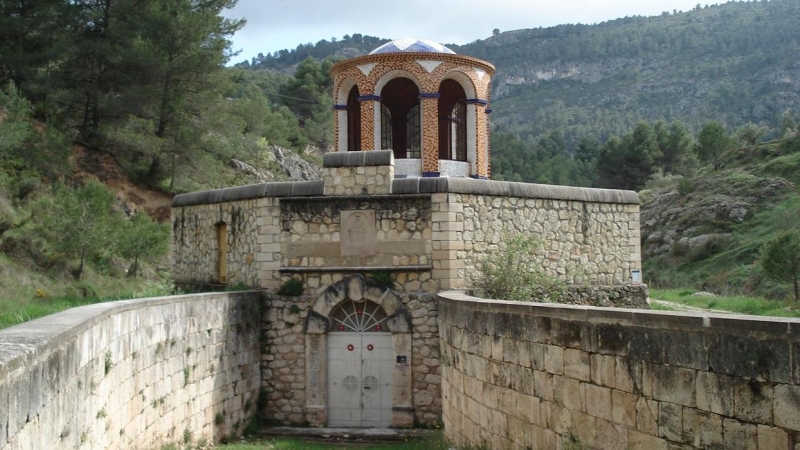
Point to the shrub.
(384, 277)
(291, 287)
(513, 273)
(685, 186)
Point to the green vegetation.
(731, 213)
(427, 441)
(780, 259)
(737, 304)
(291, 287)
(512, 273)
(20, 303)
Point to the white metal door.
(360, 380)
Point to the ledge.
(511, 189)
(249, 192)
(778, 327)
(358, 159)
(422, 268)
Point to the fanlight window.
(358, 317)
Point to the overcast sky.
(277, 24)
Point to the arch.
(357, 287)
(353, 120)
(318, 324)
(344, 90)
(452, 121)
(400, 104)
(470, 90)
(464, 80)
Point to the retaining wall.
(531, 375)
(131, 374)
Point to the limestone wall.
(134, 374)
(528, 375)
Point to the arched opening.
(222, 253)
(358, 347)
(400, 118)
(353, 121)
(452, 121)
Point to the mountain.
(735, 63)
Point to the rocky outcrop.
(705, 216)
(281, 164)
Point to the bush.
(685, 186)
(384, 277)
(291, 287)
(513, 273)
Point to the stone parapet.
(358, 173)
(131, 374)
(533, 375)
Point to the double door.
(360, 379)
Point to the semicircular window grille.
(359, 317)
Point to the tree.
(780, 259)
(141, 238)
(79, 221)
(495, 32)
(675, 145)
(627, 163)
(787, 124)
(712, 142)
(750, 133)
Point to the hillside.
(735, 63)
(707, 231)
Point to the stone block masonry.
(135, 374)
(530, 375)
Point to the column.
(429, 106)
(369, 118)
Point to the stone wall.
(529, 375)
(131, 374)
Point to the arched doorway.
(452, 121)
(400, 118)
(358, 322)
(360, 361)
(353, 121)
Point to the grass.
(26, 295)
(738, 304)
(428, 441)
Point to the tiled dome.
(412, 45)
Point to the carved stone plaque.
(358, 234)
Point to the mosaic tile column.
(369, 103)
(488, 143)
(430, 133)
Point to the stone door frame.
(357, 287)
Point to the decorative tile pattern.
(412, 45)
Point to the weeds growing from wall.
(512, 273)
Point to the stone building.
(406, 195)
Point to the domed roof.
(412, 45)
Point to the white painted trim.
(472, 137)
(341, 145)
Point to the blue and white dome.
(412, 45)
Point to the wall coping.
(249, 192)
(713, 323)
(21, 345)
(358, 159)
(512, 189)
(405, 186)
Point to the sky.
(277, 24)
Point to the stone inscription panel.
(358, 235)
